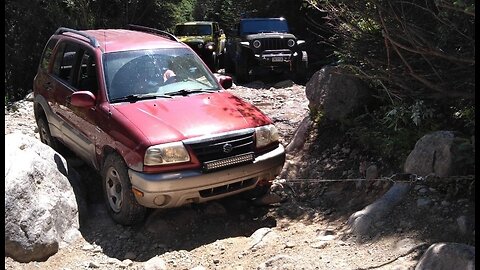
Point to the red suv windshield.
(157, 72)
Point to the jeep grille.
(222, 147)
(274, 43)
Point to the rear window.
(47, 54)
(64, 60)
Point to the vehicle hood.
(269, 35)
(166, 120)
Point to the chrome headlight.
(291, 43)
(266, 135)
(167, 153)
(210, 46)
(200, 45)
(256, 44)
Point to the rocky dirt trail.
(305, 230)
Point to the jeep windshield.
(146, 74)
(255, 26)
(193, 30)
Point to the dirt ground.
(306, 229)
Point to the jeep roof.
(197, 22)
(257, 25)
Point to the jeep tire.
(228, 63)
(213, 62)
(300, 75)
(241, 69)
(117, 189)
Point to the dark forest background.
(417, 56)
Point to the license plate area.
(277, 59)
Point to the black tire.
(117, 189)
(300, 72)
(241, 70)
(229, 68)
(45, 135)
(214, 63)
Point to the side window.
(64, 62)
(87, 79)
(47, 54)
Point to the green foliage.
(391, 131)
(463, 152)
(417, 49)
(404, 115)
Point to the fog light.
(160, 200)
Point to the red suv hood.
(165, 120)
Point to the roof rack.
(93, 41)
(153, 30)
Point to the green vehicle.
(205, 38)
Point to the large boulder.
(432, 154)
(41, 213)
(335, 92)
(446, 256)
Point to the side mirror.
(224, 80)
(82, 99)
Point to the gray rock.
(335, 92)
(41, 214)
(447, 256)
(155, 263)
(431, 155)
(361, 222)
(262, 237)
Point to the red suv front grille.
(214, 149)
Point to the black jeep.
(264, 43)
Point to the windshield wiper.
(185, 92)
(136, 97)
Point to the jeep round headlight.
(266, 135)
(200, 45)
(210, 46)
(291, 43)
(167, 153)
(256, 44)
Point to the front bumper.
(276, 58)
(174, 189)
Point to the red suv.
(142, 108)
